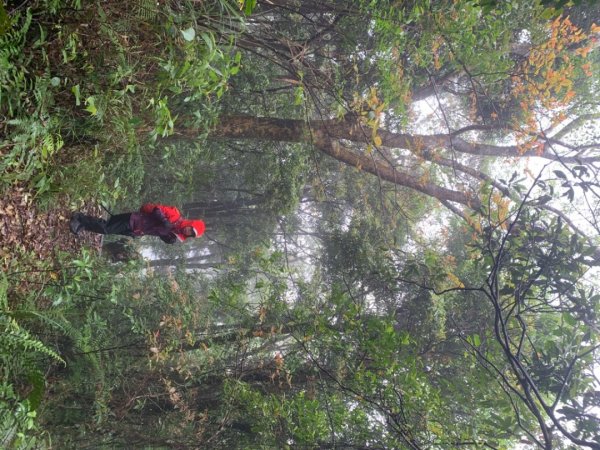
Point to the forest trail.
(24, 228)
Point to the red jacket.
(172, 220)
(170, 213)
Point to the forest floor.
(26, 229)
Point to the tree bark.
(326, 136)
(329, 136)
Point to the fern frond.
(14, 339)
(50, 318)
(146, 10)
(8, 429)
(17, 430)
(37, 380)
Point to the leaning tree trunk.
(326, 136)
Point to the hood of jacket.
(197, 225)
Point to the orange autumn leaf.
(583, 51)
(278, 360)
(569, 96)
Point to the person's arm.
(169, 213)
(159, 215)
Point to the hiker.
(152, 219)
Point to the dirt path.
(24, 229)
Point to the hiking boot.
(75, 225)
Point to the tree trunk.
(325, 135)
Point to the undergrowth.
(88, 89)
(88, 93)
(62, 324)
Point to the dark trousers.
(117, 224)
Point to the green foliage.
(446, 39)
(279, 421)
(82, 86)
(18, 421)
(14, 82)
(76, 309)
(247, 6)
(21, 357)
(33, 149)
(17, 340)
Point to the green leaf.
(208, 40)
(474, 340)
(549, 13)
(569, 319)
(248, 6)
(298, 95)
(77, 93)
(91, 105)
(36, 378)
(189, 34)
